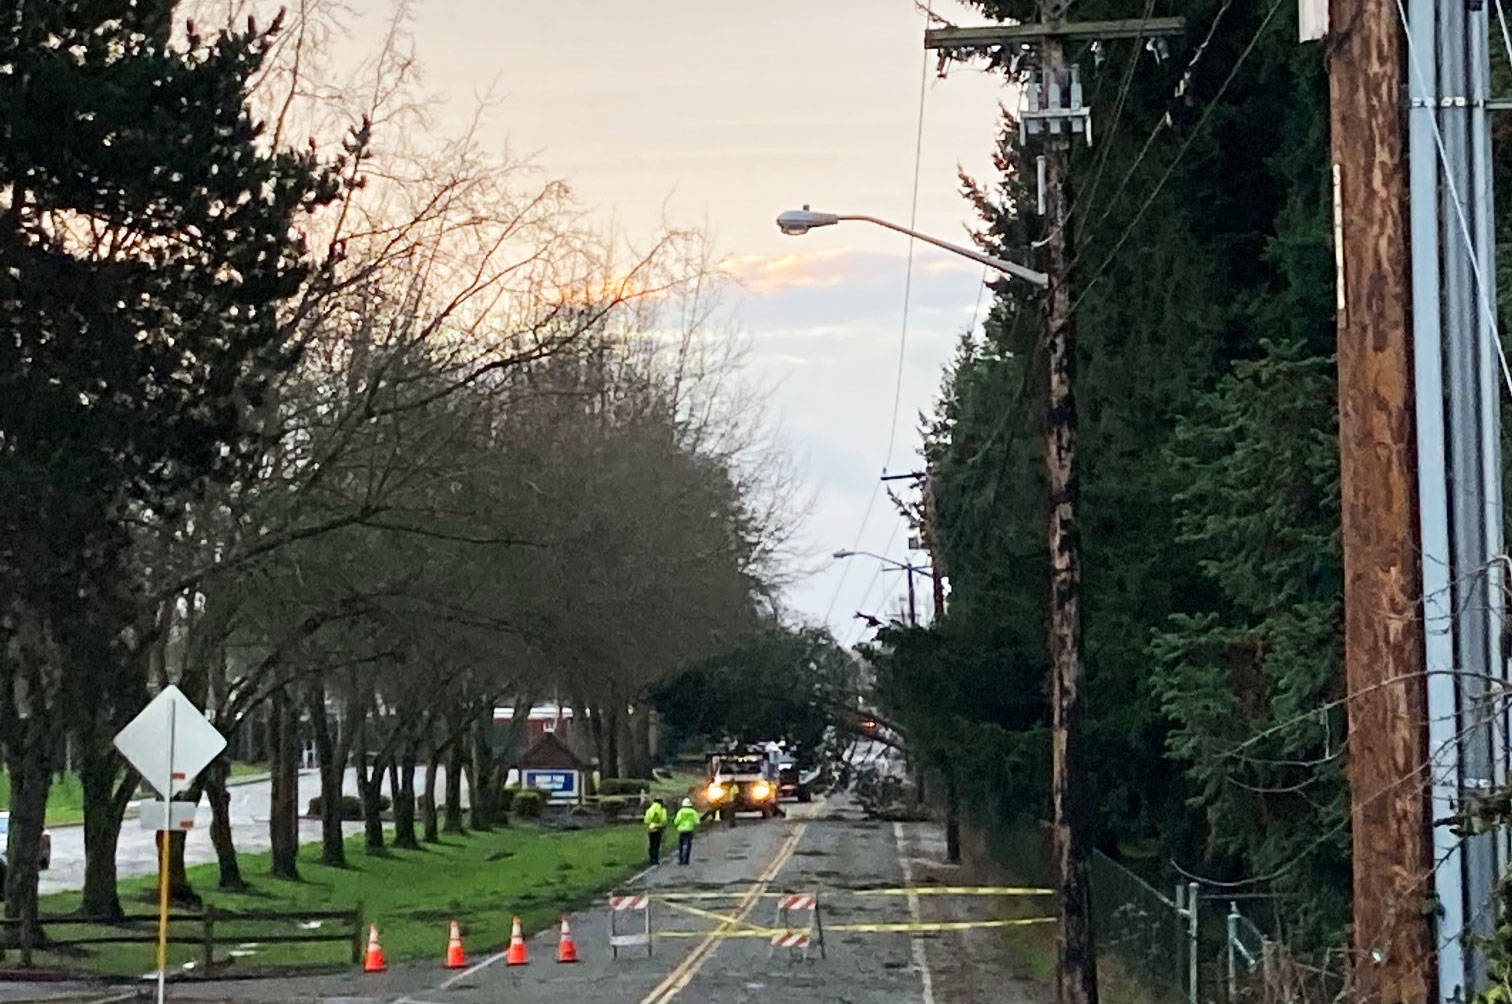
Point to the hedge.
(528, 803)
(624, 786)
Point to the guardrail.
(202, 933)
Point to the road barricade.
(797, 938)
(629, 939)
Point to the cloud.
(811, 270)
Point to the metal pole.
(1233, 962)
(165, 835)
(1192, 945)
(1471, 419)
(1433, 502)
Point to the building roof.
(550, 753)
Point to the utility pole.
(1055, 110)
(1383, 632)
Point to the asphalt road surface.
(825, 847)
(136, 853)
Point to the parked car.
(45, 861)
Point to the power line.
(1207, 113)
(1160, 123)
(892, 424)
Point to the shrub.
(528, 803)
(506, 798)
(613, 806)
(624, 786)
(351, 806)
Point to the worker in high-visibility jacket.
(685, 822)
(656, 822)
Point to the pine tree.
(147, 243)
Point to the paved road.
(826, 846)
(136, 854)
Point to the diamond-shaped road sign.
(170, 736)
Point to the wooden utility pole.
(1383, 631)
(1055, 110)
(1076, 958)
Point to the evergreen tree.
(147, 243)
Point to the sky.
(720, 115)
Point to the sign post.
(169, 743)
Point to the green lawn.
(676, 786)
(480, 880)
(65, 799)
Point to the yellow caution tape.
(957, 890)
(729, 921)
(905, 927)
(927, 890)
(916, 927)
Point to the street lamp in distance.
(797, 222)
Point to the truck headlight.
(761, 790)
(716, 791)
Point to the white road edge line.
(916, 941)
(498, 957)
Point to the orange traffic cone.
(454, 958)
(516, 954)
(566, 950)
(373, 963)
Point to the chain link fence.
(1196, 948)
(1143, 937)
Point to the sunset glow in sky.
(720, 115)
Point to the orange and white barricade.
(629, 939)
(793, 930)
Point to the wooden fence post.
(357, 934)
(209, 937)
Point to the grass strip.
(481, 880)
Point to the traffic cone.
(454, 958)
(566, 950)
(516, 954)
(373, 962)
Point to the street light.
(797, 222)
(913, 617)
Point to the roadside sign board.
(559, 783)
(181, 815)
(170, 736)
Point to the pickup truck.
(46, 860)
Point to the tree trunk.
(453, 823)
(428, 800)
(611, 764)
(369, 790)
(30, 779)
(283, 816)
(105, 803)
(404, 802)
(482, 779)
(595, 718)
(332, 768)
(220, 827)
(640, 745)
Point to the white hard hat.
(688, 802)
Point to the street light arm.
(901, 565)
(1029, 275)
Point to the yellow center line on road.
(682, 974)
